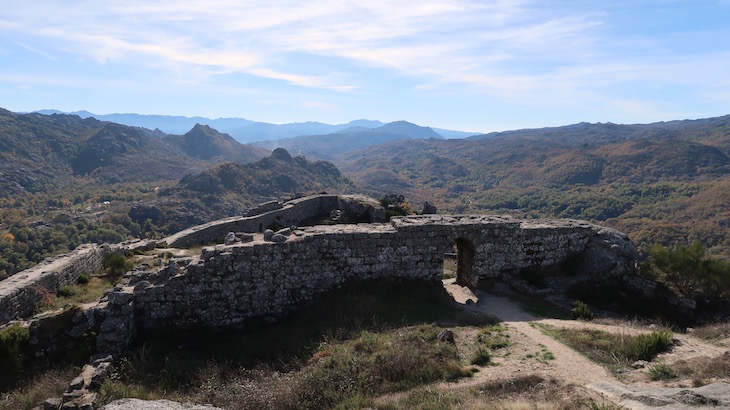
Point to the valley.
(67, 180)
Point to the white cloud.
(255, 36)
(515, 49)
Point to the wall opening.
(459, 263)
(464, 262)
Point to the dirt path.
(567, 365)
(685, 347)
(530, 351)
(572, 367)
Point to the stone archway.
(465, 262)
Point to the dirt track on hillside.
(570, 367)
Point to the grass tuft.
(612, 350)
(481, 357)
(65, 291)
(647, 346)
(713, 332)
(662, 372)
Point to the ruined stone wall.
(21, 293)
(231, 284)
(291, 213)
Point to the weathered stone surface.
(76, 383)
(268, 234)
(244, 237)
(714, 396)
(446, 335)
(230, 238)
(229, 285)
(20, 293)
(136, 404)
(279, 238)
(100, 374)
(53, 403)
(355, 208)
(428, 209)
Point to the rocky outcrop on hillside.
(229, 189)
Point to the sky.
(484, 66)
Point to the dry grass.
(713, 332)
(35, 392)
(610, 349)
(524, 392)
(343, 350)
(704, 370)
(345, 374)
(89, 292)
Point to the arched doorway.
(464, 262)
(459, 262)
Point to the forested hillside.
(40, 153)
(664, 183)
(229, 189)
(65, 180)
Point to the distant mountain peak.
(409, 130)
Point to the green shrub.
(11, 340)
(83, 279)
(688, 270)
(481, 356)
(613, 350)
(581, 311)
(646, 346)
(116, 263)
(65, 292)
(662, 372)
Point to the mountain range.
(44, 152)
(329, 146)
(241, 129)
(664, 183)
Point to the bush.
(11, 340)
(481, 356)
(646, 346)
(688, 270)
(116, 263)
(662, 372)
(65, 292)
(83, 279)
(581, 311)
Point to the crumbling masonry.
(231, 284)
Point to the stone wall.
(258, 219)
(230, 284)
(21, 293)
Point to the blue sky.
(467, 65)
